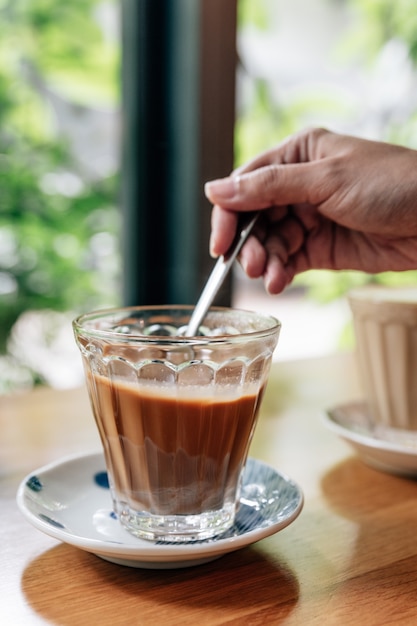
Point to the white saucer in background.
(70, 501)
(388, 449)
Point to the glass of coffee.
(175, 414)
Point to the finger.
(307, 216)
(292, 234)
(271, 185)
(223, 228)
(267, 260)
(253, 257)
(278, 275)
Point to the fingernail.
(243, 264)
(212, 248)
(221, 189)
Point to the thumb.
(267, 186)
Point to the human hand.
(328, 201)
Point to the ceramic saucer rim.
(141, 552)
(367, 439)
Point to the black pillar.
(167, 133)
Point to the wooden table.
(350, 558)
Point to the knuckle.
(259, 186)
(269, 182)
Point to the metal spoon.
(218, 274)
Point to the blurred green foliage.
(383, 20)
(51, 255)
(252, 14)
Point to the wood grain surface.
(350, 557)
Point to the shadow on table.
(71, 587)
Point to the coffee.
(174, 450)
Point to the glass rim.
(376, 295)
(79, 327)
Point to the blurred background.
(349, 65)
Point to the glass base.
(177, 528)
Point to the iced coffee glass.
(175, 414)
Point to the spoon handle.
(218, 274)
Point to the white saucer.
(70, 501)
(389, 449)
